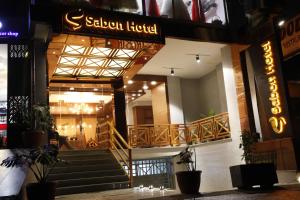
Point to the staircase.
(88, 171)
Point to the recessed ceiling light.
(133, 95)
(145, 87)
(82, 40)
(132, 98)
(139, 94)
(140, 90)
(53, 52)
(145, 58)
(130, 81)
(281, 23)
(71, 88)
(153, 82)
(125, 86)
(95, 89)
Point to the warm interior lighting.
(281, 23)
(172, 72)
(197, 59)
(95, 89)
(145, 86)
(71, 88)
(130, 81)
(94, 61)
(153, 83)
(298, 177)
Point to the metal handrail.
(117, 144)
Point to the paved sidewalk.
(290, 192)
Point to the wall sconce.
(145, 86)
(197, 59)
(172, 72)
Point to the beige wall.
(160, 105)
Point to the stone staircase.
(88, 171)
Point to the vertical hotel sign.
(277, 120)
(120, 25)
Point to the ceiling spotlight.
(71, 88)
(95, 89)
(172, 72)
(139, 95)
(130, 81)
(145, 86)
(140, 90)
(132, 98)
(133, 95)
(153, 82)
(281, 23)
(197, 58)
(124, 86)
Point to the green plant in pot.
(40, 161)
(189, 180)
(248, 141)
(33, 123)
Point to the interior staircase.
(88, 171)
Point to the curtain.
(197, 12)
(153, 9)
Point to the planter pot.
(189, 181)
(37, 191)
(246, 176)
(32, 138)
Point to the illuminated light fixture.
(130, 81)
(74, 49)
(132, 98)
(82, 40)
(145, 58)
(53, 52)
(298, 178)
(139, 95)
(125, 86)
(140, 90)
(153, 83)
(145, 86)
(197, 59)
(71, 88)
(133, 95)
(172, 72)
(281, 23)
(95, 89)
(0, 25)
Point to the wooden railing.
(203, 130)
(120, 149)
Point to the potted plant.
(33, 123)
(189, 180)
(255, 171)
(40, 161)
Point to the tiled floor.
(124, 194)
(291, 192)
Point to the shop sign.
(6, 33)
(290, 36)
(81, 21)
(277, 121)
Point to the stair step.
(86, 174)
(90, 181)
(85, 157)
(91, 188)
(81, 168)
(87, 162)
(83, 152)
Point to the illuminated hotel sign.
(277, 120)
(130, 26)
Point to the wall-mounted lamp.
(172, 72)
(281, 22)
(145, 86)
(197, 58)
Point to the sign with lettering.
(270, 91)
(5, 31)
(118, 25)
(290, 36)
(277, 120)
